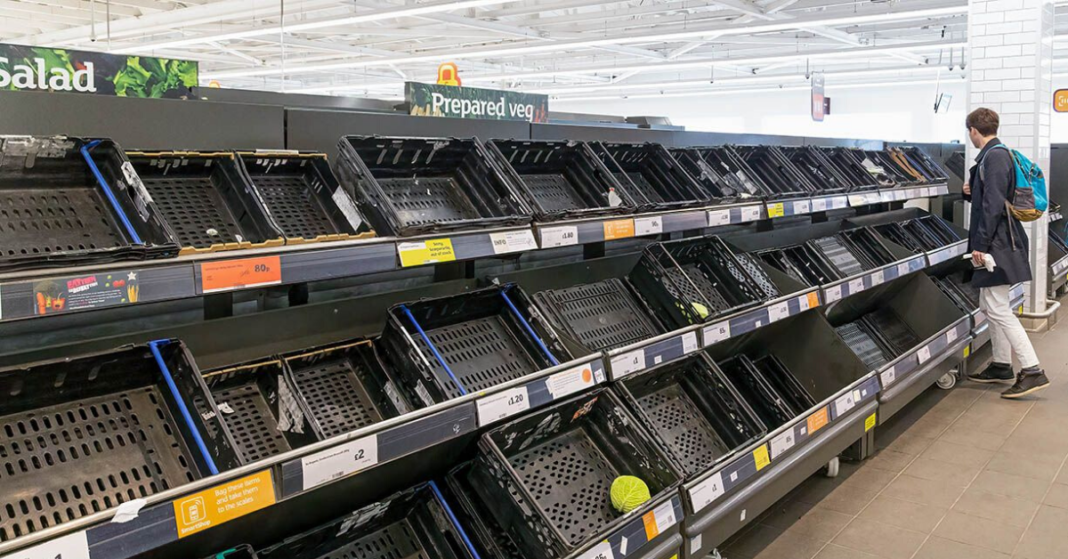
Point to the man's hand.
(977, 257)
(968, 189)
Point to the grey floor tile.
(963, 434)
(942, 472)
(923, 491)
(1011, 485)
(1000, 508)
(980, 532)
(968, 456)
(1037, 466)
(838, 552)
(1047, 536)
(903, 514)
(1057, 497)
(889, 460)
(879, 539)
(941, 548)
(910, 443)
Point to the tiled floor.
(960, 474)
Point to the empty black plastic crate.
(694, 410)
(896, 233)
(561, 179)
(652, 176)
(864, 243)
(722, 178)
(801, 262)
(858, 336)
(881, 167)
(890, 331)
(964, 293)
(206, 200)
(775, 171)
(756, 391)
(261, 409)
(786, 385)
(490, 539)
(412, 524)
(412, 186)
(693, 281)
(850, 168)
(598, 316)
(839, 254)
(446, 347)
(726, 163)
(816, 169)
(344, 387)
(920, 161)
(83, 435)
(546, 476)
(302, 196)
(72, 201)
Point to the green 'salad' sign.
(471, 102)
(25, 68)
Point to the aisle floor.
(959, 474)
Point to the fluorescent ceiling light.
(569, 45)
(765, 89)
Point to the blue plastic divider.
(530, 330)
(107, 191)
(154, 348)
(456, 523)
(433, 349)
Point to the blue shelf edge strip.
(452, 517)
(529, 330)
(154, 348)
(433, 349)
(107, 191)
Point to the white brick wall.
(1009, 40)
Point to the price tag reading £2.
(502, 405)
(340, 461)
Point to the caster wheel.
(714, 555)
(947, 381)
(832, 468)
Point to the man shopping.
(995, 234)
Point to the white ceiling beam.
(234, 52)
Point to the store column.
(1010, 46)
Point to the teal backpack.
(1030, 199)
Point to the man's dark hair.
(984, 120)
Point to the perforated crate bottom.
(482, 353)
(194, 209)
(839, 256)
(643, 186)
(426, 200)
(701, 286)
(37, 221)
(293, 205)
(893, 329)
(553, 192)
(690, 436)
(862, 345)
(601, 315)
(335, 396)
(67, 461)
(395, 541)
(252, 422)
(570, 478)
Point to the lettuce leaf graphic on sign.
(471, 102)
(25, 68)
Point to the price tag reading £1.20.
(501, 405)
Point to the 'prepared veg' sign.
(471, 102)
(26, 68)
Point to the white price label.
(628, 363)
(717, 332)
(886, 197)
(751, 213)
(923, 354)
(856, 286)
(876, 277)
(802, 207)
(819, 205)
(778, 311)
(903, 269)
(707, 492)
(71, 546)
(648, 225)
(565, 235)
(780, 444)
(602, 550)
(839, 202)
(844, 403)
(889, 376)
(951, 336)
(802, 303)
(689, 342)
(832, 294)
(513, 241)
(874, 198)
(717, 218)
(858, 200)
(572, 380)
(340, 461)
(901, 195)
(502, 405)
(664, 516)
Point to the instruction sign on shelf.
(430, 251)
(228, 275)
(223, 503)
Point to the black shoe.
(1028, 383)
(996, 372)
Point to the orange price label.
(223, 503)
(618, 229)
(813, 300)
(817, 421)
(227, 275)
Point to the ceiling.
(570, 49)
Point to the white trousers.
(1006, 332)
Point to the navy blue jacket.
(992, 230)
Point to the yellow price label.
(761, 457)
(430, 251)
(967, 351)
(776, 210)
(869, 422)
(813, 300)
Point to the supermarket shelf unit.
(706, 511)
(221, 273)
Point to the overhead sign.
(26, 68)
(470, 102)
(1060, 100)
(817, 97)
